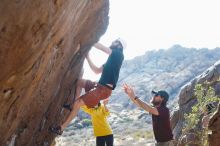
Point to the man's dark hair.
(162, 94)
(114, 47)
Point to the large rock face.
(186, 101)
(42, 47)
(214, 125)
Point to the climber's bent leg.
(86, 84)
(59, 129)
(90, 99)
(80, 84)
(76, 106)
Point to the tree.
(204, 95)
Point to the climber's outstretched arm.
(103, 48)
(94, 68)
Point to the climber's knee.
(81, 73)
(89, 85)
(81, 83)
(79, 102)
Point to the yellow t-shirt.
(100, 124)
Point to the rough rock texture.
(42, 47)
(186, 100)
(214, 125)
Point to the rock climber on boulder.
(95, 92)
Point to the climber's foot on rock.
(67, 106)
(56, 130)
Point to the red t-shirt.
(161, 125)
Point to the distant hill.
(167, 69)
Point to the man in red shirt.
(160, 115)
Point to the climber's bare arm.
(103, 48)
(94, 68)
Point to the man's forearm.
(103, 48)
(144, 105)
(135, 101)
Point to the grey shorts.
(168, 143)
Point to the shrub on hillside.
(193, 132)
(86, 122)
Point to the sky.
(159, 24)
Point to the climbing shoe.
(57, 130)
(67, 106)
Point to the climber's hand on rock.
(103, 48)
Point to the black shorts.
(105, 140)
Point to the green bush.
(86, 122)
(204, 94)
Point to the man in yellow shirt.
(101, 127)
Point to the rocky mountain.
(166, 69)
(42, 47)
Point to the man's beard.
(156, 103)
